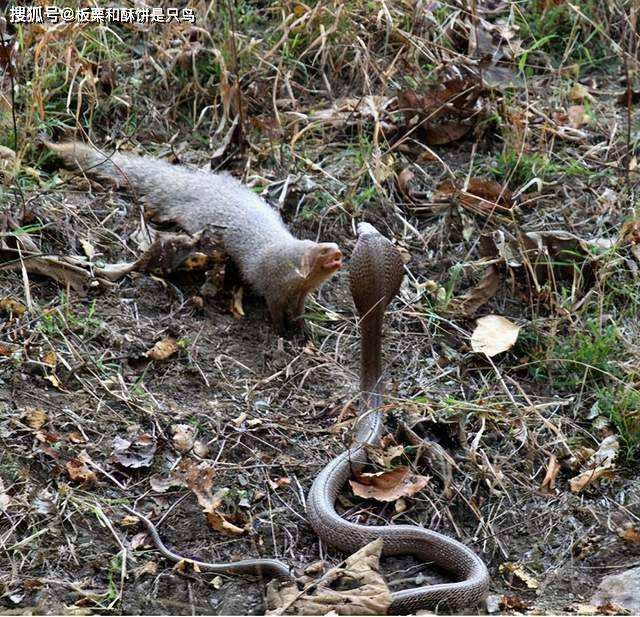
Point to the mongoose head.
(288, 271)
(319, 263)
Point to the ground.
(89, 422)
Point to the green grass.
(622, 407)
(585, 357)
(65, 317)
(562, 35)
(522, 169)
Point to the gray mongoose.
(280, 267)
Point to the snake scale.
(375, 275)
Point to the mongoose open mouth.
(333, 261)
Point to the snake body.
(375, 277)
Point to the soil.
(272, 412)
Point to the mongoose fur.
(280, 267)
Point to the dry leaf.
(278, 483)
(602, 609)
(479, 295)
(519, 572)
(578, 458)
(200, 449)
(240, 419)
(129, 521)
(139, 540)
(577, 116)
(5, 501)
(579, 93)
(184, 436)
(350, 111)
(79, 471)
(199, 479)
(493, 335)
(630, 534)
(50, 359)
(68, 271)
(481, 195)
(384, 456)
(357, 588)
(7, 350)
(404, 179)
(35, 418)
(162, 484)
(389, 485)
(164, 349)
(12, 307)
(601, 465)
(135, 453)
(151, 567)
(445, 133)
(55, 382)
(218, 522)
(88, 249)
(553, 468)
(514, 603)
(586, 478)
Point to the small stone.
(621, 590)
(493, 604)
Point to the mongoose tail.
(280, 267)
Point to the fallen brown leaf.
(356, 588)
(79, 471)
(601, 465)
(218, 522)
(134, 453)
(7, 350)
(12, 307)
(35, 417)
(520, 573)
(479, 295)
(184, 436)
(50, 359)
(164, 349)
(150, 567)
(383, 456)
(493, 335)
(388, 485)
(630, 534)
(55, 382)
(577, 116)
(88, 249)
(404, 179)
(553, 468)
(514, 603)
(276, 484)
(445, 133)
(481, 195)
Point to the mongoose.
(280, 267)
